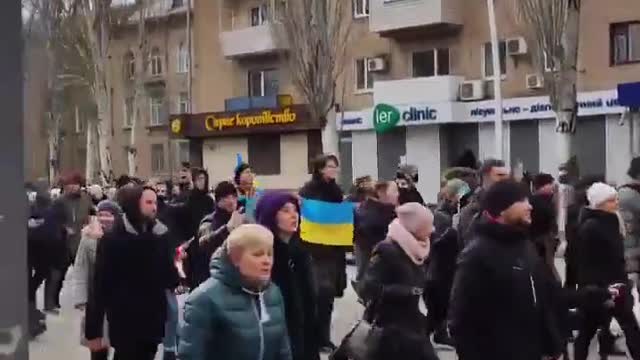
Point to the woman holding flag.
(327, 232)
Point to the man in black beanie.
(544, 228)
(501, 303)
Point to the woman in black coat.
(292, 272)
(395, 281)
(134, 268)
(330, 262)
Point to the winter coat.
(77, 209)
(211, 234)
(330, 261)
(469, 215)
(48, 240)
(84, 266)
(372, 219)
(501, 305)
(600, 250)
(223, 320)
(198, 205)
(392, 286)
(441, 270)
(410, 195)
(543, 229)
(133, 271)
(630, 209)
(293, 274)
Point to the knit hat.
(110, 206)
(634, 168)
(599, 193)
(502, 195)
(268, 206)
(238, 171)
(224, 189)
(412, 215)
(542, 180)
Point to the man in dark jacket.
(501, 305)
(492, 171)
(601, 264)
(330, 262)
(134, 268)
(543, 229)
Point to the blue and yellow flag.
(326, 223)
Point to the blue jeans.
(170, 342)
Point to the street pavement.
(62, 339)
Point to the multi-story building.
(166, 89)
(431, 61)
(245, 101)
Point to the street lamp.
(497, 81)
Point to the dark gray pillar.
(13, 239)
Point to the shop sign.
(267, 117)
(385, 118)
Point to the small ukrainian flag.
(327, 223)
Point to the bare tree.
(555, 27)
(317, 32)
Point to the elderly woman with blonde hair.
(237, 313)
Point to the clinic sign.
(386, 117)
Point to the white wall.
(549, 160)
(618, 150)
(219, 157)
(423, 150)
(365, 153)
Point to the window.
(259, 15)
(177, 4)
(625, 43)
(128, 112)
(182, 148)
(488, 59)
(264, 153)
(360, 8)
(183, 59)
(183, 103)
(263, 83)
(130, 65)
(79, 123)
(157, 117)
(156, 62)
(364, 79)
(430, 63)
(157, 158)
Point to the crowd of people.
(262, 268)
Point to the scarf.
(417, 251)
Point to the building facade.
(428, 63)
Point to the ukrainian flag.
(327, 223)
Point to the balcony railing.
(391, 17)
(253, 40)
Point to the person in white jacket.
(84, 269)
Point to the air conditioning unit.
(472, 90)
(516, 46)
(535, 81)
(377, 64)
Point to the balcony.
(253, 41)
(417, 90)
(409, 18)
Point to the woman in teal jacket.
(237, 314)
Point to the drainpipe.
(497, 81)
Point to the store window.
(156, 62)
(157, 158)
(625, 43)
(360, 8)
(263, 82)
(364, 78)
(264, 153)
(487, 63)
(182, 151)
(431, 63)
(259, 15)
(156, 105)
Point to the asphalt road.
(62, 340)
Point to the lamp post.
(497, 81)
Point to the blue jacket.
(225, 321)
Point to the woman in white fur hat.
(601, 264)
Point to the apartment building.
(166, 90)
(429, 61)
(244, 99)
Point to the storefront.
(433, 136)
(277, 142)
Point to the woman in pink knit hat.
(394, 283)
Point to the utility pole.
(497, 80)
